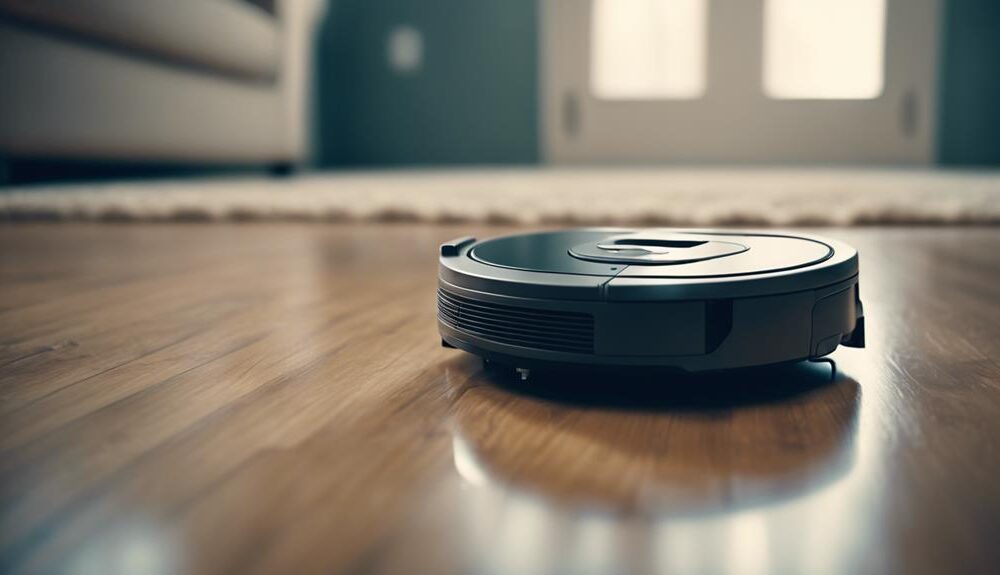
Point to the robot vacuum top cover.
(688, 299)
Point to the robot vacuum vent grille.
(520, 326)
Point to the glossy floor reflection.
(587, 473)
(668, 444)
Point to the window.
(648, 49)
(824, 49)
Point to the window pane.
(824, 49)
(648, 49)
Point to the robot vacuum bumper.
(683, 299)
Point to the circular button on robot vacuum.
(693, 300)
(656, 248)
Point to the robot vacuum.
(691, 300)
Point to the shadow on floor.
(721, 390)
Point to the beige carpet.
(697, 197)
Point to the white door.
(744, 81)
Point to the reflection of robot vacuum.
(651, 449)
(693, 300)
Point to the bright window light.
(648, 49)
(824, 49)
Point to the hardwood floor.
(274, 399)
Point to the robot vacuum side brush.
(683, 299)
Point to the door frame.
(735, 121)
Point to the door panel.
(734, 120)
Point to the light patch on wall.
(824, 49)
(648, 49)
(405, 50)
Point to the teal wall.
(969, 126)
(474, 101)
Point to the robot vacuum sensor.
(692, 300)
